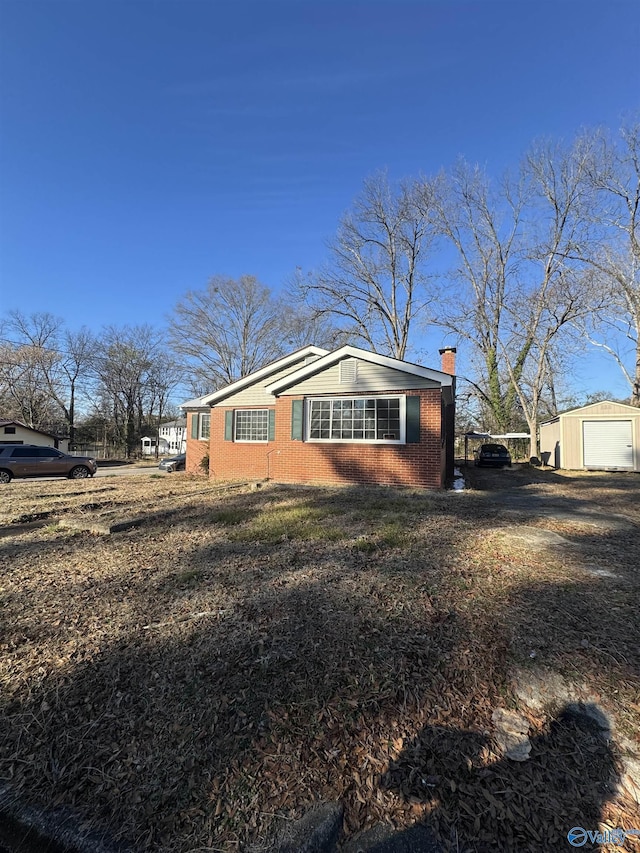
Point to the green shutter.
(296, 419)
(194, 425)
(272, 425)
(228, 425)
(413, 420)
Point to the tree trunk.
(72, 407)
(160, 409)
(635, 386)
(131, 428)
(533, 438)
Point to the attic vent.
(349, 371)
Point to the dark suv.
(29, 460)
(492, 454)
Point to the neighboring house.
(15, 432)
(172, 439)
(347, 416)
(148, 446)
(603, 436)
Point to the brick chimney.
(448, 355)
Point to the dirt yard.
(197, 680)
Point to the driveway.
(591, 517)
(593, 497)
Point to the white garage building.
(600, 436)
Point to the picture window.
(357, 419)
(251, 425)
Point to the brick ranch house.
(347, 416)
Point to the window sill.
(368, 441)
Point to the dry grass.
(242, 655)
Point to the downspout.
(275, 450)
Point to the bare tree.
(302, 326)
(128, 358)
(78, 366)
(23, 391)
(483, 224)
(559, 292)
(236, 326)
(227, 331)
(522, 282)
(29, 367)
(616, 259)
(44, 367)
(374, 287)
(164, 376)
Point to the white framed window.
(205, 427)
(251, 425)
(379, 420)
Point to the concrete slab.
(316, 832)
(100, 527)
(384, 839)
(539, 538)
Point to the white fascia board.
(510, 435)
(252, 378)
(443, 379)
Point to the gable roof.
(347, 351)
(4, 422)
(176, 422)
(590, 406)
(195, 403)
(252, 378)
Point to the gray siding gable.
(255, 395)
(370, 377)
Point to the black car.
(492, 454)
(175, 463)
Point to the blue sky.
(149, 145)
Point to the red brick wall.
(287, 461)
(196, 449)
(230, 459)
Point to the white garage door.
(607, 444)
